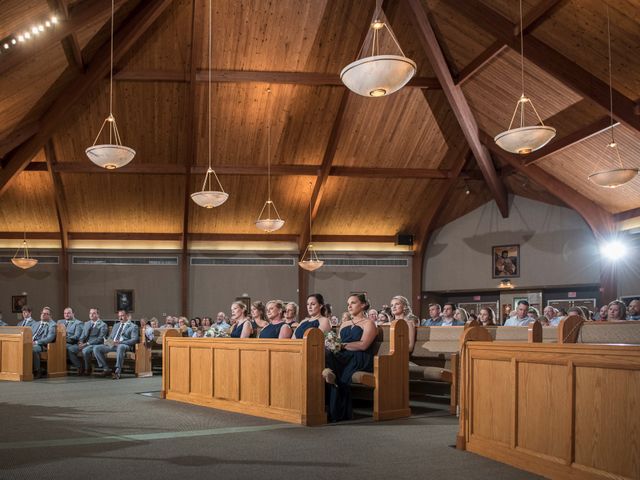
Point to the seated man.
(123, 339)
(26, 321)
(44, 334)
(74, 329)
(221, 321)
(634, 310)
(447, 316)
(93, 334)
(434, 320)
(521, 318)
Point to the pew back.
(56, 354)
(16, 360)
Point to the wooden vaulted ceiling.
(368, 166)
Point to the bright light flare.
(613, 250)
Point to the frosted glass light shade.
(24, 263)
(311, 265)
(613, 178)
(525, 140)
(110, 156)
(209, 198)
(270, 224)
(378, 75)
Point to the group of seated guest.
(449, 316)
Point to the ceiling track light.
(524, 139)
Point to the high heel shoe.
(329, 376)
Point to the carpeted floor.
(99, 428)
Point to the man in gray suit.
(26, 321)
(44, 333)
(123, 338)
(93, 334)
(74, 329)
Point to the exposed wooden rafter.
(18, 136)
(458, 104)
(137, 23)
(70, 43)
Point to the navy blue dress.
(272, 330)
(344, 364)
(304, 326)
(237, 330)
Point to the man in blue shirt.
(521, 318)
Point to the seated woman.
(617, 311)
(357, 336)
(401, 310)
(461, 316)
(291, 314)
(258, 315)
(316, 318)
(277, 327)
(241, 321)
(383, 318)
(487, 317)
(206, 323)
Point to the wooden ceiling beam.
(241, 237)
(459, 104)
(123, 236)
(70, 43)
(480, 61)
(79, 17)
(537, 14)
(627, 215)
(554, 63)
(599, 220)
(355, 238)
(374, 172)
(133, 28)
(18, 136)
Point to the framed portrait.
(124, 300)
(17, 302)
(505, 261)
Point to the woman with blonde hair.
(241, 321)
(401, 310)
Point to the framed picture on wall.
(124, 300)
(17, 302)
(505, 261)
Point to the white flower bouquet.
(217, 332)
(332, 342)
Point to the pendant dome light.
(378, 75)
(614, 177)
(112, 155)
(24, 261)
(524, 139)
(270, 223)
(310, 260)
(207, 197)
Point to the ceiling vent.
(170, 261)
(276, 262)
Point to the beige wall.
(628, 269)
(556, 248)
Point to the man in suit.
(26, 321)
(44, 333)
(123, 339)
(74, 330)
(93, 334)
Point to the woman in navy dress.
(357, 336)
(277, 327)
(258, 315)
(291, 314)
(241, 322)
(317, 316)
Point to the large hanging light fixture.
(310, 260)
(523, 139)
(24, 261)
(112, 155)
(614, 177)
(207, 197)
(378, 75)
(270, 223)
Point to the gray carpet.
(100, 428)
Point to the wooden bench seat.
(56, 354)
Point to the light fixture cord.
(613, 141)
(111, 75)
(209, 96)
(269, 151)
(521, 50)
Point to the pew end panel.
(167, 333)
(56, 354)
(313, 389)
(391, 394)
(568, 329)
(16, 354)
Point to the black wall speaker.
(404, 239)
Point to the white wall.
(628, 269)
(556, 248)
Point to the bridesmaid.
(242, 323)
(357, 336)
(316, 318)
(277, 327)
(401, 310)
(291, 314)
(258, 315)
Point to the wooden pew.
(271, 378)
(157, 343)
(16, 354)
(56, 354)
(390, 377)
(561, 410)
(140, 357)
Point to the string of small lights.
(13, 40)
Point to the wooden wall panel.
(397, 131)
(124, 203)
(150, 119)
(247, 195)
(493, 396)
(574, 164)
(226, 368)
(29, 204)
(165, 46)
(202, 383)
(254, 380)
(603, 441)
(578, 31)
(301, 121)
(494, 91)
(22, 87)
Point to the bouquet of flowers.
(332, 342)
(217, 332)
